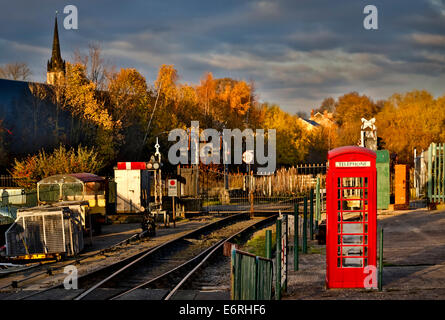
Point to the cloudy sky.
(297, 51)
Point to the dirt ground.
(413, 260)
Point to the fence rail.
(252, 276)
(7, 181)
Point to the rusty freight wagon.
(44, 232)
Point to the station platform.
(413, 262)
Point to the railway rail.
(174, 255)
(61, 264)
(175, 279)
(111, 271)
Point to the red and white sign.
(131, 165)
(172, 187)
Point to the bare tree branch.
(15, 71)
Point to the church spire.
(56, 66)
(56, 56)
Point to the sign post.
(173, 192)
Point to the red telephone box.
(351, 217)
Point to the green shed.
(383, 183)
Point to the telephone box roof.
(351, 149)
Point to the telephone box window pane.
(366, 251)
(366, 182)
(366, 239)
(366, 262)
(354, 251)
(338, 251)
(339, 240)
(366, 228)
(352, 228)
(338, 194)
(352, 262)
(339, 228)
(339, 216)
(338, 182)
(352, 193)
(352, 205)
(352, 182)
(338, 263)
(366, 193)
(353, 216)
(352, 239)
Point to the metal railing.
(252, 276)
(436, 172)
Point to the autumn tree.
(128, 95)
(97, 69)
(78, 95)
(292, 140)
(234, 99)
(411, 120)
(328, 104)
(321, 140)
(206, 92)
(350, 108)
(129, 103)
(62, 160)
(166, 82)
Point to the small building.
(132, 187)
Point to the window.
(72, 191)
(49, 192)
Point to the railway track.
(54, 266)
(170, 258)
(116, 271)
(182, 276)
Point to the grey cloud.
(298, 52)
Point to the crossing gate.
(252, 276)
(436, 172)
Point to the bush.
(34, 168)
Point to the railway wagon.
(85, 189)
(45, 232)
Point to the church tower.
(56, 66)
